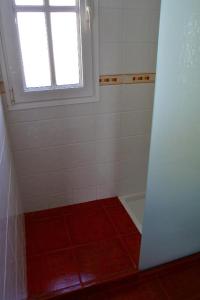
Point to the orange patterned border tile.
(127, 79)
(110, 80)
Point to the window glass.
(62, 2)
(65, 47)
(29, 2)
(34, 48)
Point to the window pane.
(62, 2)
(65, 47)
(34, 47)
(29, 2)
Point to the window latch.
(12, 96)
(89, 12)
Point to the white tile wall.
(149, 5)
(136, 123)
(54, 158)
(137, 97)
(40, 202)
(53, 132)
(89, 151)
(110, 25)
(144, 54)
(111, 54)
(108, 126)
(12, 265)
(140, 25)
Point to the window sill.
(52, 103)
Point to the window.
(50, 51)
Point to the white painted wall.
(83, 152)
(172, 216)
(12, 265)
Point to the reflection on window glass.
(65, 47)
(62, 2)
(29, 2)
(34, 48)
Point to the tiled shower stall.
(81, 152)
(90, 151)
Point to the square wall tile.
(108, 126)
(140, 25)
(45, 184)
(134, 148)
(52, 132)
(136, 123)
(111, 3)
(108, 151)
(110, 99)
(111, 58)
(108, 173)
(48, 201)
(137, 97)
(139, 57)
(33, 161)
(83, 177)
(144, 4)
(84, 194)
(108, 190)
(110, 24)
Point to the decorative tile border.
(115, 79)
(127, 79)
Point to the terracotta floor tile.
(47, 213)
(35, 277)
(132, 244)
(52, 272)
(121, 220)
(105, 246)
(103, 260)
(61, 271)
(47, 234)
(90, 227)
(110, 202)
(83, 208)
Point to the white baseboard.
(125, 202)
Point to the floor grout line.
(98, 207)
(122, 243)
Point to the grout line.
(119, 237)
(30, 257)
(66, 170)
(135, 265)
(93, 114)
(131, 42)
(92, 141)
(71, 243)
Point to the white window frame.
(11, 62)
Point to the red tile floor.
(77, 246)
(90, 251)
